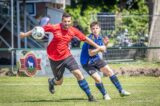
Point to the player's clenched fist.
(102, 48)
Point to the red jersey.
(59, 49)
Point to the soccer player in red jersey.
(59, 54)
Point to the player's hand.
(106, 40)
(22, 34)
(103, 48)
(98, 48)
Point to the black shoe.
(51, 85)
(91, 98)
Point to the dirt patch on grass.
(6, 72)
(120, 71)
(139, 72)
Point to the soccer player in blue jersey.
(91, 61)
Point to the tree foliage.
(83, 11)
(137, 20)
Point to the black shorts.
(58, 67)
(92, 68)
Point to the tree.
(154, 36)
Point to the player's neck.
(95, 35)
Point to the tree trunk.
(154, 35)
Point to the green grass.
(135, 65)
(25, 91)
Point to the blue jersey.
(85, 58)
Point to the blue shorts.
(93, 67)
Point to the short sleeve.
(48, 28)
(90, 46)
(79, 34)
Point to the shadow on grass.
(60, 100)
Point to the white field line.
(22, 84)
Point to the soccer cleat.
(124, 93)
(91, 98)
(106, 97)
(51, 85)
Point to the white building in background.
(55, 9)
(13, 13)
(52, 8)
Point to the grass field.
(25, 91)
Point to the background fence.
(129, 35)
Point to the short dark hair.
(94, 23)
(66, 15)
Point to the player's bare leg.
(77, 73)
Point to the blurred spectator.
(44, 21)
(75, 41)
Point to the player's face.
(66, 22)
(96, 30)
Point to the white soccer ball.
(38, 33)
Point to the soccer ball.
(38, 33)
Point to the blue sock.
(101, 88)
(84, 86)
(116, 82)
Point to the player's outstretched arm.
(89, 41)
(25, 34)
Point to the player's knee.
(107, 71)
(110, 73)
(97, 79)
(78, 74)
